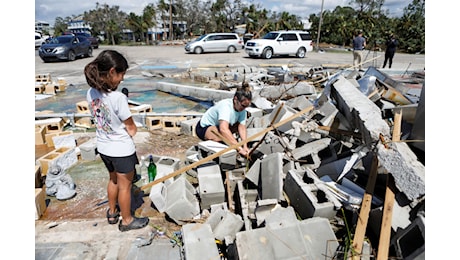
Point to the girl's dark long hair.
(97, 71)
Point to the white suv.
(296, 43)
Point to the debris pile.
(331, 174)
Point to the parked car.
(65, 47)
(215, 42)
(275, 43)
(39, 40)
(94, 40)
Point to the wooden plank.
(215, 155)
(385, 229)
(360, 231)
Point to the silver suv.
(215, 42)
(274, 43)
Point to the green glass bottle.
(152, 169)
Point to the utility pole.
(319, 26)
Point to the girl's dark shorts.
(125, 164)
(200, 131)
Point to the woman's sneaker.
(135, 224)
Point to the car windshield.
(61, 40)
(201, 37)
(270, 36)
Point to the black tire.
(267, 53)
(198, 50)
(90, 52)
(252, 56)
(71, 56)
(231, 49)
(301, 53)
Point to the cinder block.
(61, 85)
(43, 78)
(40, 132)
(64, 139)
(158, 196)
(409, 243)
(181, 203)
(49, 137)
(84, 122)
(226, 160)
(188, 126)
(211, 187)
(172, 124)
(38, 177)
(46, 160)
(143, 108)
(88, 150)
(49, 89)
(307, 198)
(199, 242)
(284, 113)
(40, 203)
(39, 88)
(64, 157)
(53, 125)
(153, 123)
(82, 107)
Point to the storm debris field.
(336, 170)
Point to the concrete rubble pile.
(301, 192)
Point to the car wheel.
(267, 53)
(231, 49)
(198, 50)
(90, 52)
(71, 56)
(300, 53)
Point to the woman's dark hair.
(243, 92)
(97, 71)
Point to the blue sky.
(48, 10)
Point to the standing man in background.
(391, 44)
(359, 43)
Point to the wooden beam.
(360, 231)
(385, 229)
(215, 155)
